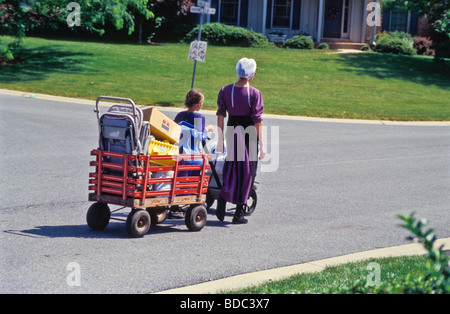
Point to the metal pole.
(374, 27)
(193, 75)
(195, 61)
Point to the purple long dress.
(242, 147)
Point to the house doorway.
(336, 19)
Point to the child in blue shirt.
(194, 102)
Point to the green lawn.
(392, 270)
(293, 82)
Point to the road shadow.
(114, 230)
(39, 62)
(419, 70)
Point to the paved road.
(336, 191)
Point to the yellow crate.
(157, 148)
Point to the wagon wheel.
(249, 208)
(138, 223)
(158, 215)
(196, 217)
(98, 216)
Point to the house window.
(282, 10)
(399, 21)
(229, 12)
(346, 13)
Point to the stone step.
(343, 44)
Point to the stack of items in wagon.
(165, 136)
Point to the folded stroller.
(121, 129)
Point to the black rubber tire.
(158, 216)
(138, 223)
(98, 216)
(196, 217)
(250, 207)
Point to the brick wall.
(423, 28)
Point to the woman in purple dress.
(244, 105)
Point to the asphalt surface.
(335, 190)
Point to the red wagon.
(126, 175)
(129, 185)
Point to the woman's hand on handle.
(259, 133)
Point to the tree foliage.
(436, 11)
(18, 17)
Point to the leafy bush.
(226, 35)
(406, 37)
(379, 36)
(323, 46)
(5, 53)
(394, 45)
(423, 45)
(437, 281)
(299, 42)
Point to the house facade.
(324, 20)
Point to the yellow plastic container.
(158, 148)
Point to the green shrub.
(402, 35)
(299, 42)
(225, 35)
(379, 36)
(323, 46)
(5, 53)
(394, 45)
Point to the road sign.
(197, 51)
(203, 4)
(210, 11)
(200, 10)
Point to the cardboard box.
(161, 126)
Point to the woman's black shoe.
(220, 210)
(239, 216)
(239, 220)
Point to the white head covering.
(246, 68)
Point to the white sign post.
(197, 50)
